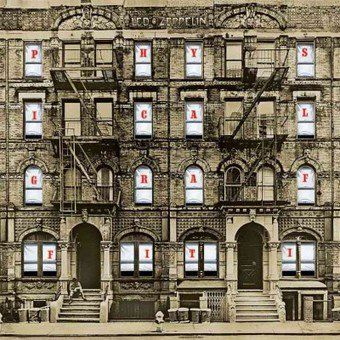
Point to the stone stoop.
(255, 306)
(80, 310)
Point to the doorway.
(249, 251)
(87, 239)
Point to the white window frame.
(26, 103)
(138, 122)
(298, 63)
(137, 188)
(147, 63)
(199, 123)
(306, 122)
(311, 188)
(28, 188)
(38, 63)
(187, 63)
(199, 189)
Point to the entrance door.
(249, 259)
(88, 239)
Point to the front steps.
(255, 306)
(80, 310)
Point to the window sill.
(36, 278)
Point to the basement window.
(33, 60)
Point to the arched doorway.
(87, 239)
(249, 252)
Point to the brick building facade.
(171, 156)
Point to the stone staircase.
(80, 310)
(255, 306)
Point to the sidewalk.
(149, 329)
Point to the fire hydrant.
(159, 319)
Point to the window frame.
(307, 137)
(198, 102)
(314, 187)
(135, 122)
(311, 43)
(298, 242)
(106, 188)
(40, 189)
(200, 272)
(32, 101)
(101, 121)
(40, 262)
(192, 42)
(64, 120)
(258, 186)
(30, 63)
(135, 189)
(103, 42)
(135, 63)
(78, 187)
(136, 262)
(230, 185)
(242, 60)
(186, 188)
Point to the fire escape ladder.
(254, 102)
(82, 102)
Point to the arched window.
(233, 181)
(39, 255)
(72, 184)
(194, 185)
(306, 185)
(265, 184)
(105, 183)
(33, 185)
(298, 255)
(143, 185)
(136, 255)
(200, 256)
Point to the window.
(33, 60)
(72, 122)
(265, 115)
(265, 184)
(105, 184)
(104, 116)
(265, 59)
(104, 54)
(39, 255)
(72, 58)
(306, 185)
(194, 57)
(136, 256)
(72, 184)
(143, 59)
(194, 119)
(233, 114)
(143, 185)
(306, 120)
(305, 60)
(33, 119)
(194, 185)
(200, 258)
(143, 119)
(298, 258)
(234, 59)
(233, 184)
(33, 185)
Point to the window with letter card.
(33, 185)
(306, 185)
(194, 119)
(306, 119)
(39, 255)
(33, 119)
(33, 60)
(143, 185)
(194, 185)
(136, 259)
(143, 59)
(305, 60)
(143, 119)
(194, 60)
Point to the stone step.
(253, 298)
(83, 304)
(256, 320)
(88, 298)
(256, 312)
(70, 308)
(256, 303)
(72, 314)
(256, 308)
(272, 316)
(68, 319)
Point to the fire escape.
(74, 146)
(264, 70)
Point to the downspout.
(7, 133)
